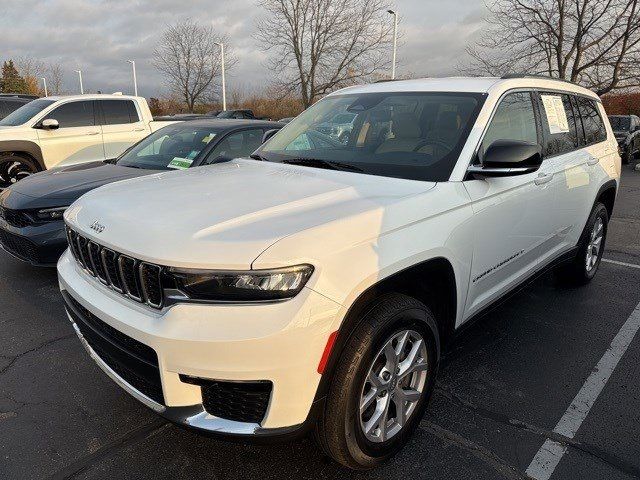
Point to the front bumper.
(281, 343)
(40, 245)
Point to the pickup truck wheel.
(382, 384)
(14, 168)
(585, 265)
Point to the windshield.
(405, 135)
(26, 113)
(620, 123)
(172, 147)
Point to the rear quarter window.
(594, 128)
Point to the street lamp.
(224, 87)
(395, 42)
(135, 80)
(44, 82)
(79, 72)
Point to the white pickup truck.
(70, 129)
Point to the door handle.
(139, 129)
(93, 133)
(593, 161)
(543, 178)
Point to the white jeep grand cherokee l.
(313, 285)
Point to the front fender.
(23, 146)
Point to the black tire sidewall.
(7, 160)
(362, 450)
(599, 211)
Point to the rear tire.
(584, 266)
(369, 385)
(15, 167)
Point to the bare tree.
(189, 58)
(591, 42)
(321, 45)
(56, 78)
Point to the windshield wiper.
(327, 164)
(257, 156)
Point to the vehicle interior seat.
(406, 134)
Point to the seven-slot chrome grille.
(138, 280)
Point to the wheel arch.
(607, 195)
(24, 147)
(433, 282)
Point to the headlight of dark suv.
(241, 286)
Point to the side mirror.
(268, 134)
(508, 157)
(50, 124)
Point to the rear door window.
(74, 114)
(559, 121)
(594, 129)
(119, 112)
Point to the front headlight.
(50, 214)
(242, 286)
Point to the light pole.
(135, 80)
(395, 42)
(44, 82)
(79, 72)
(224, 86)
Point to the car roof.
(466, 85)
(229, 124)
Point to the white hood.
(225, 216)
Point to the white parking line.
(546, 460)
(623, 264)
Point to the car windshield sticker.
(180, 163)
(556, 114)
(208, 138)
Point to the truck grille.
(138, 280)
(134, 362)
(15, 218)
(19, 246)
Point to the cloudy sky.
(98, 36)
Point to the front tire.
(14, 167)
(585, 265)
(382, 383)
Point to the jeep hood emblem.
(97, 227)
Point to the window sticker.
(180, 163)
(208, 138)
(556, 114)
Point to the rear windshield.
(412, 135)
(172, 147)
(26, 113)
(620, 123)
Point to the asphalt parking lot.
(502, 390)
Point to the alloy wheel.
(394, 385)
(595, 244)
(13, 171)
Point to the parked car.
(31, 226)
(246, 114)
(85, 128)
(25, 96)
(313, 286)
(10, 103)
(627, 131)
